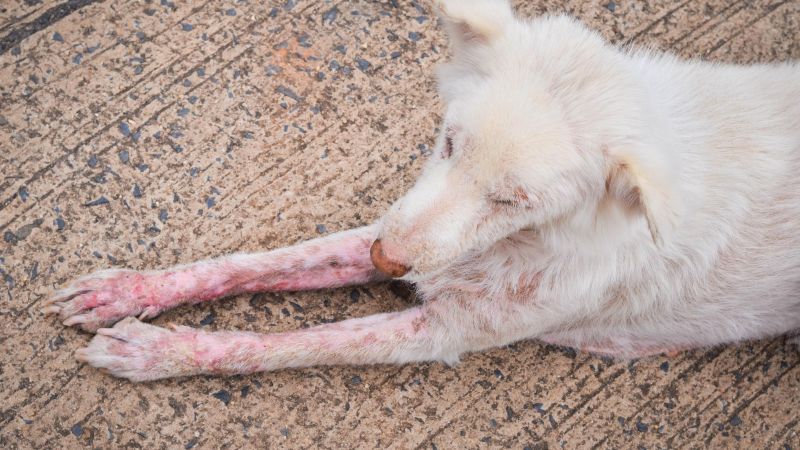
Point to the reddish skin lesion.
(102, 298)
(418, 323)
(141, 352)
(527, 285)
(521, 195)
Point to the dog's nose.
(392, 268)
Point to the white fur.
(623, 202)
(709, 251)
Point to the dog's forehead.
(488, 163)
(512, 98)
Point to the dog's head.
(514, 154)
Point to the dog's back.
(733, 271)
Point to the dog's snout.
(385, 265)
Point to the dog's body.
(623, 203)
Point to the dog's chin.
(416, 276)
(428, 270)
(425, 268)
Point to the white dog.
(625, 203)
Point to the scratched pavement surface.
(144, 134)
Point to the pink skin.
(103, 298)
(142, 352)
(450, 322)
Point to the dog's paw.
(104, 297)
(141, 352)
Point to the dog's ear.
(645, 188)
(470, 22)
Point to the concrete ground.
(143, 134)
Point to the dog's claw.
(52, 309)
(105, 332)
(80, 355)
(73, 320)
(137, 351)
(150, 311)
(102, 298)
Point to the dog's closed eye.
(504, 201)
(518, 197)
(448, 147)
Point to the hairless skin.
(626, 203)
(103, 298)
(139, 351)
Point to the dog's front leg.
(102, 298)
(439, 330)
(140, 352)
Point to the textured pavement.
(144, 134)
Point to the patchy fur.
(624, 202)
